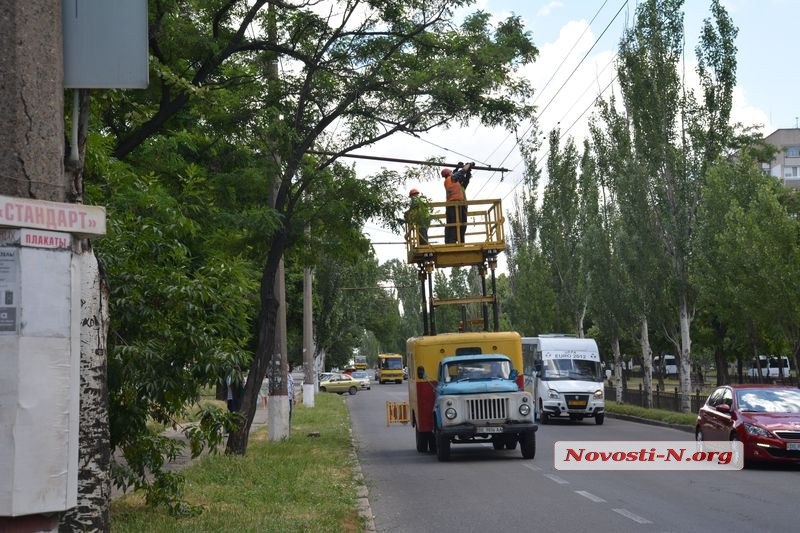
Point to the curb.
(362, 492)
(640, 420)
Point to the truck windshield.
(579, 369)
(464, 370)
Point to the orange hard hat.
(413, 192)
(446, 172)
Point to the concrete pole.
(31, 166)
(278, 412)
(309, 387)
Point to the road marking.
(634, 517)
(585, 494)
(557, 479)
(532, 467)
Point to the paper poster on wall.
(9, 289)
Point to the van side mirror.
(420, 372)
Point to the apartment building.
(786, 164)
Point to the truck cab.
(478, 400)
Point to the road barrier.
(396, 413)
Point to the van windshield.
(579, 369)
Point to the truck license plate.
(490, 430)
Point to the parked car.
(765, 418)
(363, 378)
(340, 383)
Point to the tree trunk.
(267, 323)
(685, 363)
(647, 362)
(617, 369)
(94, 476)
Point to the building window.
(792, 151)
(791, 172)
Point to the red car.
(765, 418)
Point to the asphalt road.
(481, 489)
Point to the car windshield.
(463, 370)
(360, 375)
(769, 400)
(580, 369)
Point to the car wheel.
(442, 447)
(544, 418)
(352, 390)
(598, 419)
(323, 389)
(698, 434)
(527, 444)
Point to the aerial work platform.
(484, 236)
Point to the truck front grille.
(488, 409)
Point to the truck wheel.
(498, 444)
(598, 419)
(422, 441)
(511, 444)
(432, 442)
(442, 447)
(527, 444)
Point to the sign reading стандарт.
(78, 219)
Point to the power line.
(574, 70)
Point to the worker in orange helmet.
(455, 185)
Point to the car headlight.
(756, 430)
(552, 394)
(450, 413)
(598, 394)
(524, 409)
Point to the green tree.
(675, 138)
(560, 232)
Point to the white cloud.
(549, 8)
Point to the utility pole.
(310, 378)
(278, 422)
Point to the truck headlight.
(524, 409)
(450, 413)
(552, 394)
(598, 394)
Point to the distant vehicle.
(665, 365)
(360, 362)
(765, 418)
(340, 383)
(771, 367)
(363, 378)
(390, 368)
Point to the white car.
(362, 377)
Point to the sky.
(577, 42)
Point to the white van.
(771, 366)
(665, 363)
(565, 376)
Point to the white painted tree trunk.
(685, 369)
(94, 476)
(617, 369)
(647, 361)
